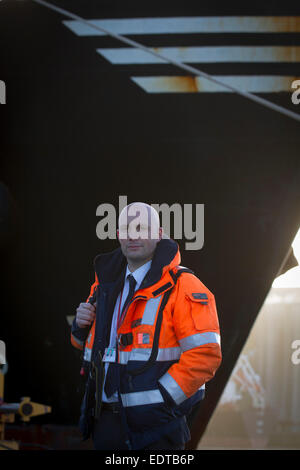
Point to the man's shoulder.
(190, 283)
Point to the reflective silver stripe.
(172, 388)
(142, 398)
(134, 355)
(168, 354)
(199, 339)
(123, 356)
(150, 311)
(143, 354)
(87, 354)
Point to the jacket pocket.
(142, 399)
(202, 310)
(146, 409)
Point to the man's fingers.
(81, 323)
(84, 320)
(85, 315)
(86, 307)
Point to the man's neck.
(133, 265)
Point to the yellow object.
(9, 445)
(26, 409)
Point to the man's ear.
(161, 233)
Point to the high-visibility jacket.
(168, 345)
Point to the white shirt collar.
(139, 273)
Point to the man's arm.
(196, 326)
(85, 315)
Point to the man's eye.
(123, 232)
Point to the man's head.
(139, 232)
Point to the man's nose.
(133, 238)
(133, 234)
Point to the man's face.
(138, 234)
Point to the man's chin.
(134, 255)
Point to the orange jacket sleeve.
(197, 330)
(79, 335)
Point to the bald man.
(150, 335)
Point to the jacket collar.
(110, 266)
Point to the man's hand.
(85, 314)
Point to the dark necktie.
(132, 284)
(111, 382)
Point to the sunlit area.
(259, 408)
(291, 278)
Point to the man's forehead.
(138, 213)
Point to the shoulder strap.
(180, 270)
